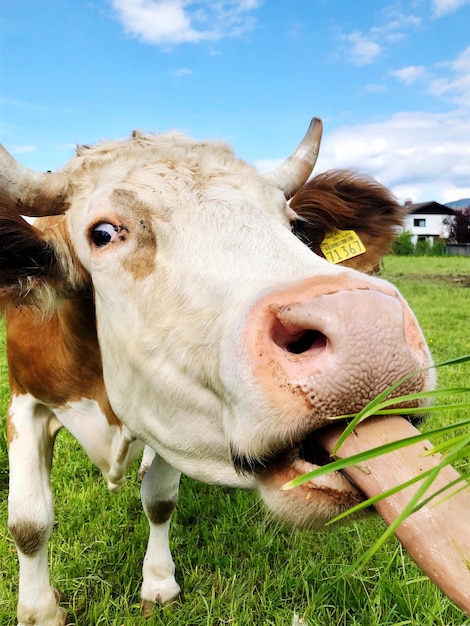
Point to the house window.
(420, 222)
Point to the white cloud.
(23, 149)
(462, 62)
(408, 75)
(444, 7)
(376, 88)
(182, 71)
(457, 86)
(157, 22)
(393, 27)
(395, 21)
(447, 80)
(362, 50)
(296, 30)
(171, 22)
(20, 104)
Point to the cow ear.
(347, 200)
(32, 267)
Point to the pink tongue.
(437, 536)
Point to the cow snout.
(329, 349)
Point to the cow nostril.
(307, 340)
(300, 341)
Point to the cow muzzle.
(332, 346)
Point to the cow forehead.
(169, 161)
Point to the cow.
(164, 299)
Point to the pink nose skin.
(330, 345)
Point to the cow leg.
(31, 432)
(159, 493)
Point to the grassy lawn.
(236, 565)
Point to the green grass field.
(236, 565)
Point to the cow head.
(226, 342)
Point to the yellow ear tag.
(340, 245)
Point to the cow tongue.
(437, 536)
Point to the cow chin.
(313, 504)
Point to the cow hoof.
(146, 607)
(162, 593)
(58, 619)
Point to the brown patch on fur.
(142, 261)
(161, 511)
(346, 200)
(57, 360)
(12, 433)
(28, 536)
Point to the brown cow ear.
(32, 269)
(347, 200)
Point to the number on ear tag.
(340, 245)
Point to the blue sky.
(391, 81)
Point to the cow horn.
(31, 193)
(294, 172)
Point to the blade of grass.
(415, 410)
(423, 409)
(440, 447)
(420, 395)
(462, 478)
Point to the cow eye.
(103, 233)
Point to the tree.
(460, 226)
(403, 246)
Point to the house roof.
(429, 208)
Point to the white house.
(428, 220)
